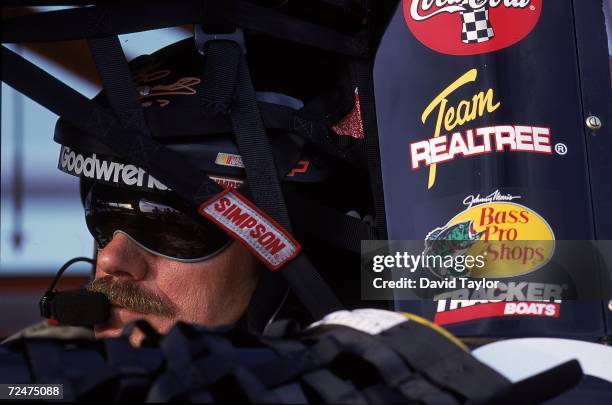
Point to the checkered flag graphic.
(476, 26)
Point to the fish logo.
(450, 240)
(513, 239)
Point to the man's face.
(142, 285)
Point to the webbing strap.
(381, 394)
(392, 368)
(335, 228)
(97, 21)
(87, 116)
(423, 391)
(185, 371)
(447, 365)
(123, 18)
(362, 74)
(121, 356)
(252, 139)
(220, 68)
(118, 84)
(274, 116)
(262, 177)
(45, 359)
(251, 386)
(291, 364)
(291, 394)
(269, 21)
(264, 184)
(197, 364)
(332, 389)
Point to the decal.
(226, 182)
(261, 234)
(148, 94)
(471, 27)
(302, 167)
(106, 169)
(513, 238)
(229, 159)
(449, 311)
(448, 143)
(352, 123)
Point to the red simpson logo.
(238, 216)
(470, 27)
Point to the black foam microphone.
(79, 307)
(76, 307)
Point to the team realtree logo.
(468, 27)
(454, 137)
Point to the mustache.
(131, 296)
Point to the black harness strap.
(291, 394)
(294, 359)
(87, 116)
(198, 364)
(124, 358)
(448, 365)
(97, 21)
(123, 18)
(362, 74)
(45, 359)
(262, 176)
(255, 147)
(394, 371)
(337, 229)
(381, 394)
(251, 136)
(268, 21)
(182, 374)
(274, 116)
(331, 389)
(118, 83)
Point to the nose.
(122, 258)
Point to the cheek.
(212, 292)
(186, 286)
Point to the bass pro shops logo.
(513, 239)
(470, 27)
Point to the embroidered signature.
(183, 86)
(471, 200)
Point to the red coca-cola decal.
(470, 27)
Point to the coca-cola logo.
(470, 27)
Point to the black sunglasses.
(158, 223)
